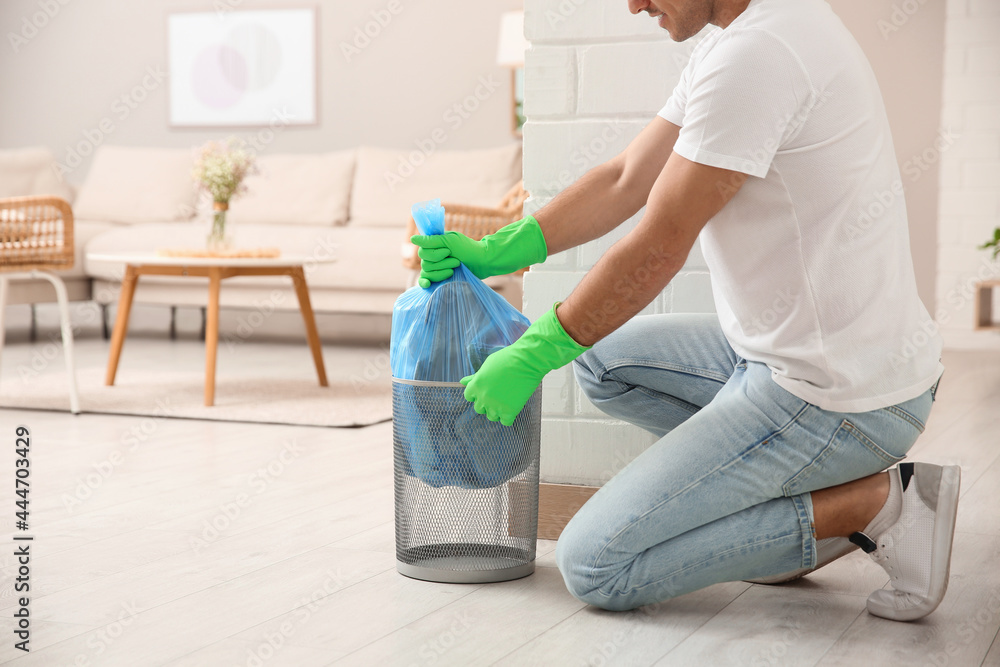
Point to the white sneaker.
(827, 551)
(916, 550)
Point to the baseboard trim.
(557, 503)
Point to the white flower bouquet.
(219, 169)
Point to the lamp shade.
(512, 46)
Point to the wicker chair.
(473, 221)
(36, 238)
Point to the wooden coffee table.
(216, 269)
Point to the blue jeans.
(724, 494)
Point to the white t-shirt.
(810, 260)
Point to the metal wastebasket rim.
(428, 383)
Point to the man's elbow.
(629, 185)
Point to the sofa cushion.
(31, 171)
(388, 182)
(83, 232)
(307, 189)
(138, 185)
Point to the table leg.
(212, 333)
(305, 305)
(121, 322)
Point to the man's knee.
(585, 580)
(576, 569)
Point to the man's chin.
(675, 34)
(676, 38)
(679, 35)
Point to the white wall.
(60, 85)
(970, 167)
(595, 76)
(904, 42)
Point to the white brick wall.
(969, 203)
(594, 77)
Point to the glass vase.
(218, 239)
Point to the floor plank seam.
(306, 604)
(394, 630)
(705, 622)
(549, 629)
(215, 585)
(850, 625)
(98, 511)
(994, 646)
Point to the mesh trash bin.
(466, 488)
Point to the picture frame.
(243, 68)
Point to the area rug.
(273, 400)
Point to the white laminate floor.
(177, 542)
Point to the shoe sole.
(946, 514)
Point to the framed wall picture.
(242, 68)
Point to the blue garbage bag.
(441, 334)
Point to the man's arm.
(609, 194)
(599, 201)
(685, 196)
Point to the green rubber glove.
(507, 379)
(510, 248)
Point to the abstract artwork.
(242, 68)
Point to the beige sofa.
(353, 205)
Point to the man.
(776, 416)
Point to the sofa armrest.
(36, 232)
